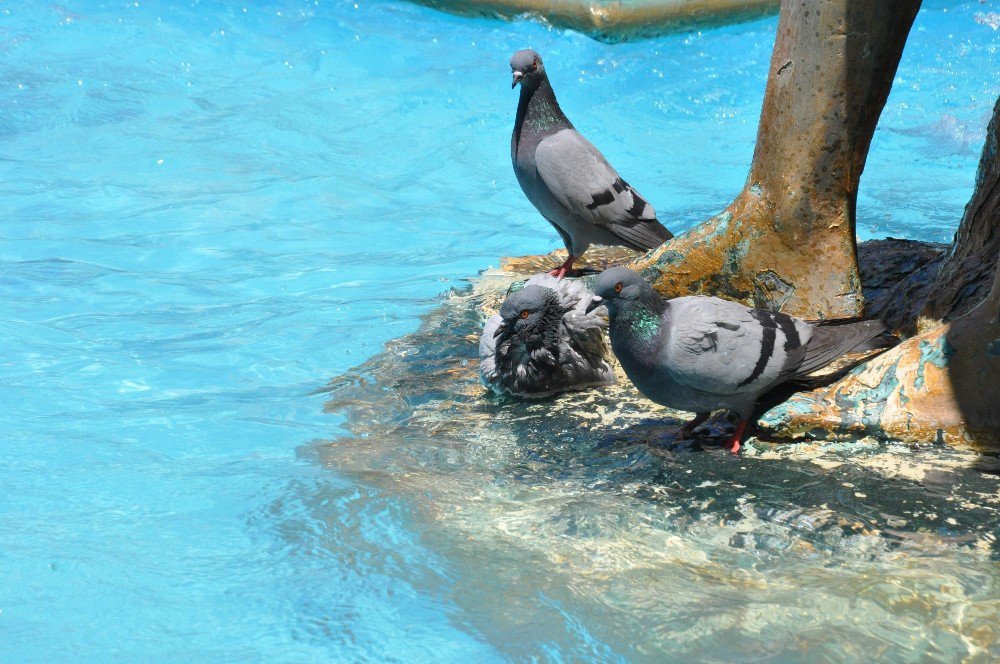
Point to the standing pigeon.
(543, 341)
(702, 353)
(568, 179)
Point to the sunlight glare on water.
(211, 208)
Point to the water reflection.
(578, 526)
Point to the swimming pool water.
(209, 209)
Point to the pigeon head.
(618, 286)
(527, 313)
(526, 65)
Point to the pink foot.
(734, 442)
(561, 271)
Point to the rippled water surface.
(211, 209)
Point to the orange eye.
(525, 313)
(618, 287)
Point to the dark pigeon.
(702, 354)
(543, 341)
(568, 179)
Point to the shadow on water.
(579, 526)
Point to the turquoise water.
(210, 209)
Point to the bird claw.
(735, 442)
(563, 269)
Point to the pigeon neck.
(639, 310)
(538, 109)
(637, 326)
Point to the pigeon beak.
(517, 79)
(596, 303)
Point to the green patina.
(668, 258)
(720, 223)
(785, 412)
(903, 399)
(716, 226)
(854, 284)
(736, 254)
(938, 352)
(872, 402)
(770, 291)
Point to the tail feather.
(830, 340)
(644, 234)
(835, 338)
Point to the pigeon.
(568, 179)
(702, 354)
(543, 341)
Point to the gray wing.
(724, 347)
(585, 351)
(487, 352)
(580, 178)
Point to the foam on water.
(209, 209)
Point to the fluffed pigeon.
(568, 179)
(543, 341)
(703, 353)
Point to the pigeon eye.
(525, 313)
(618, 287)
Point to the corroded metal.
(897, 275)
(943, 384)
(617, 20)
(940, 386)
(965, 277)
(892, 272)
(592, 494)
(788, 240)
(596, 259)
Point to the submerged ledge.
(588, 500)
(616, 21)
(448, 342)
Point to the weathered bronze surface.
(616, 20)
(964, 279)
(939, 386)
(943, 384)
(788, 240)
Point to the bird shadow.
(666, 435)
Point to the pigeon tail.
(643, 235)
(833, 338)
